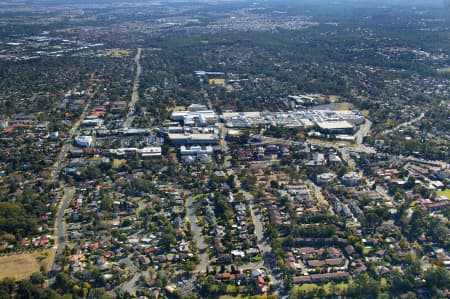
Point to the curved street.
(412, 121)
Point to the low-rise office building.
(194, 139)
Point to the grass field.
(339, 288)
(118, 163)
(446, 192)
(344, 106)
(18, 266)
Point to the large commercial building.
(325, 120)
(193, 139)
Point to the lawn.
(446, 192)
(367, 250)
(339, 288)
(117, 163)
(444, 70)
(18, 266)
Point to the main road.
(412, 121)
(60, 231)
(135, 92)
(57, 166)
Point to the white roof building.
(325, 178)
(196, 150)
(83, 141)
(351, 179)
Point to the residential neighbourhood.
(228, 150)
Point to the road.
(57, 166)
(322, 202)
(263, 242)
(227, 158)
(201, 245)
(131, 286)
(61, 231)
(269, 260)
(364, 129)
(408, 123)
(264, 245)
(135, 92)
(205, 94)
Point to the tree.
(99, 293)
(437, 277)
(63, 282)
(26, 290)
(168, 239)
(364, 286)
(6, 287)
(37, 278)
(371, 219)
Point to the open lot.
(18, 266)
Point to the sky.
(372, 2)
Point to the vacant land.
(117, 53)
(18, 266)
(445, 192)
